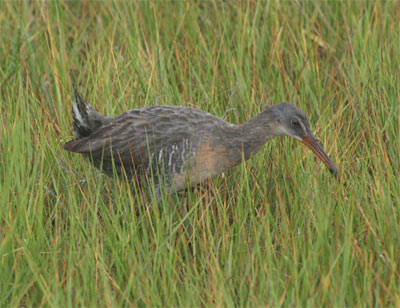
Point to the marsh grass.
(277, 230)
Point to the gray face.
(292, 121)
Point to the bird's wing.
(129, 137)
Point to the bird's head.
(292, 121)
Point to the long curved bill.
(313, 144)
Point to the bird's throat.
(250, 136)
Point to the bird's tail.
(86, 119)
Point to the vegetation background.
(278, 230)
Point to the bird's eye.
(295, 123)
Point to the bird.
(167, 147)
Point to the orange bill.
(313, 144)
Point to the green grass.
(275, 231)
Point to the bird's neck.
(253, 134)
